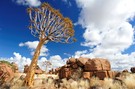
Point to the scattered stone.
(125, 71)
(132, 69)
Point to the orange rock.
(125, 70)
(101, 74)
(111, 74)
(74, 66)
(97, 64)
(7, 72)
(16, 69)
(71, 61)
(81, 61)
(37, 70)
(64, 73)
(26, 67)
(87, 75)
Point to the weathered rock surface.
(82, 61)
(98, 67)
(26, 67)
(97, 64)
(37, 70)
(15, 66)
(6, 73)
(71, 61)
(64, 72)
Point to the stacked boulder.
(98, 67)
(67, 70)
(86, 68)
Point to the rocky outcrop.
(82, 61)
(37, 70)
(97, 64)
(86, 68)
(26, 67)
(15, 67)
(6, 73)
(125, 71)
(64, 72)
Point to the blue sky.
(103, 29)
(14, 22)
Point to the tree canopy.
(49, 24)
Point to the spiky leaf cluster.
(48, 23)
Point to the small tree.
(47, 64)
(47, 24)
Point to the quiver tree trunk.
(29, 79)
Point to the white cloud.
(33, 3)
(122, 61)
(107, 29)
(32, 46)
(107, 20)
(80, 53)
(57, 61)
(40, 63)
(18, 59)
(118, 61)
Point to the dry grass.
(111, 84)
(71, 84)
(130, 81)
(45, 82)
(94, 81)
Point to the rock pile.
(6, 73)
(15, 67)
(86, 68)
(37, 71)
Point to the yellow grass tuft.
(130, 81)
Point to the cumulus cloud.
(107, 29)
(18, 59)
(40, 63)
(32, 46)
(55, 60)
(33, 3)
(118, 61)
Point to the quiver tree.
(47, 64)
(47, 24)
